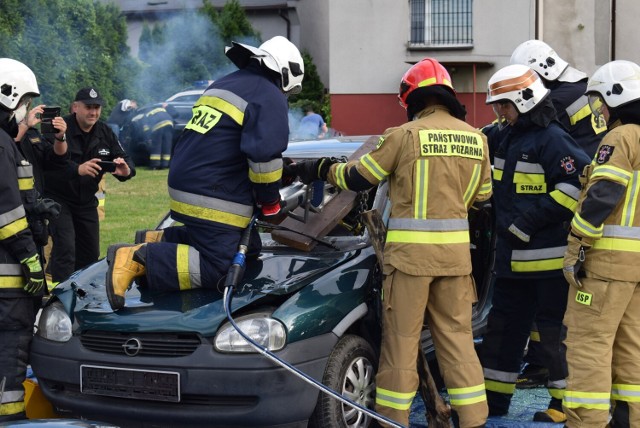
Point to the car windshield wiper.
(271, 226)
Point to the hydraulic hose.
(236, 272)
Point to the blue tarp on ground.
(524, 404)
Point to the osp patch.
(604, 154)
(568, 164)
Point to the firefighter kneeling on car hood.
(437, 167)
(230, 151)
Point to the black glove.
(46, 208)
(313, 170)
(39, 230)
(32, 269)
(573, 258)
(289, 172)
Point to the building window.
(441, 23)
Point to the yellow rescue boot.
(148, 236)
(551, 416)
(123, 269)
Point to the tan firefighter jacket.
(612, 193)
(437, 167)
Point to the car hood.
(268, 281)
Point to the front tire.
(350, 371)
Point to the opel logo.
(132, 347)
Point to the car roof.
(336, 147)
(195, 93)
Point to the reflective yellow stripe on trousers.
(395, 400)
(188, 267)
(586, 400)
(625, 392)
(467, 396)
(500, 381)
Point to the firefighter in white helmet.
(603, 311)
(567, 86)
(226, 163)
(437, 167)
(21, 272)
(535, 189)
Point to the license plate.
(130, 383)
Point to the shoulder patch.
(604, 154)
(380, 141)
(568, 164)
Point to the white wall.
(368, 42)
(626, 37)
(314, 34)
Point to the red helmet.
(427, 72)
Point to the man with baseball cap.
(75, 233)
(89, 96)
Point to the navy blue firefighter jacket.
(536, 187)
(229, 158)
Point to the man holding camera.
(94, 149)
(45, 150)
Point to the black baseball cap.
(89, 96)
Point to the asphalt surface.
(523, 405)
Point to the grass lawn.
(139, 203)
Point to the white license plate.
(130, 383)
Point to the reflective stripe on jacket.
(229, 157)
(16, 242)
(616, 242)
(572, 108)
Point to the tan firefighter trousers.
(447, 303)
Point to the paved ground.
(524, 404)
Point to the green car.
(174, 359)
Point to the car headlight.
(54, 323)
(267, 332)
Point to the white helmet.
(617, 82)
(277, 54)
(519, 84)
(545, 61)
(16, 81)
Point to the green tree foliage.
(150, 37)
(231, 21)
(68, 44)
(313, 91)
(183, 49)
(190, 47)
